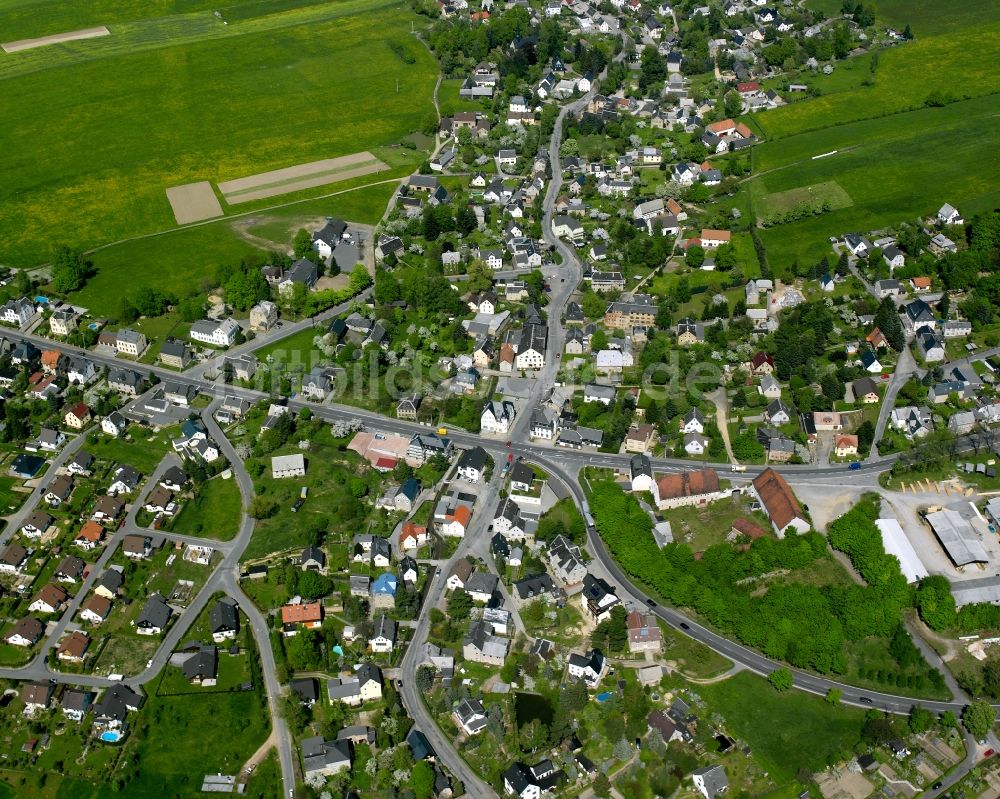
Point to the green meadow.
(956, 65)
(925, 17)
(892, 169)
(184, 261)
(96, 131)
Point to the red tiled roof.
(749, 529)
(716, 235)
(777, 498)
(688, 484)
(302, 613)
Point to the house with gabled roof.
(779, 503)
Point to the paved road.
(736, 652)
(906, 366)
(412, 699)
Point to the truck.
(738, 467)
(588, 518)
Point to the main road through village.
(564, 466)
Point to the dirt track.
(301, 176)
(55, 38)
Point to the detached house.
(779, 503)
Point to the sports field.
(96, 131)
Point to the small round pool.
(110, 736)
(604, 696)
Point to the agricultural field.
(169, 100)
(891, 168)
(903, 80)
(923, 16)
(184, 261)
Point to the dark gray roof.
(223, 616)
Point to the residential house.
(710, 781)
(26, 632)
(845, 445)
(567, 561)
(695, 487)
(643, 632)
(779, 503)
(470, 716)
(154, 616)
(497, 417)
(50, 599)
(472, 465)
(224, 620)
(308, 615)
(73, 647)
(383, 635)
(865, 391)
(130, 342)
(413, 535)
(218, 333)
(589, 667)
(124, 480)
(322, 759)
(598, 597)
(482, 646)
(176, 353)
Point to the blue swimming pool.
(110, 736)
(604, 696)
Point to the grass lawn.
(890, 168)
(450, 102)
(126, 654)
(294, 349)
(192, 255)
(792, 718)
(10, 500)
(330, 503)
(234, 670)
(693, 658)
(266, 780)
(180, 739)
(711, 524)
(263, 93)
(213, 513)
(140, 449)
